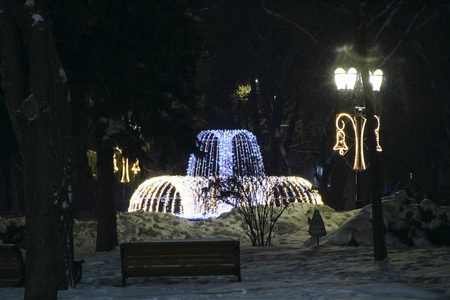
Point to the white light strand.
(226, 153)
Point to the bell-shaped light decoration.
(340, 78)
(340, 146)
(376, 79)
(351, 78)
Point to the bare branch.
(260, 37)
(389, 8)
(420, 51)
(404, 36)
(387, 22)
(427, 20)
(283, 18)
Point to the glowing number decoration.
(125, 165)
(116, 152)
(135, 167)
(125, 173)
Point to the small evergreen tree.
(316, 226)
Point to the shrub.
(253, 201)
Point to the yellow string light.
(135, 167)
(125, 166)
(116, 168)
(125, 173)
(359, 123)
(377, 134)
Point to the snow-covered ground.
(292, 268)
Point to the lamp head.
(340, 78)
(376, 79)
(352, 76)
(345, 80)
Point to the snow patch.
(29, 3)
(29, 108)
(62, 74)
(289, 269)
(37, 18)
(114, 127)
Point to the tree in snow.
(39, 106)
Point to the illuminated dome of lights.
(224, 153)
(227, 153)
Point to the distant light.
(376, 79)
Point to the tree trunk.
(106, 200)
(84, 193)
(38, 102)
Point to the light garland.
(125, 173)
(358, 122)
(226, 153)
(183, 196)
(125, 165)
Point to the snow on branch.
(29, 3)
(36, 19)
(113, 128)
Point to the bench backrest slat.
(177, 260)
(183, 271)
(180, 258)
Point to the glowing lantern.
(375, 79)
(340, 78)
(351, 78)
(347, 80)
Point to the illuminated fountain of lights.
(227, 153)
(224, 153)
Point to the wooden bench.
(12, 267)
(199, 257)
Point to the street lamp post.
(350, 81)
